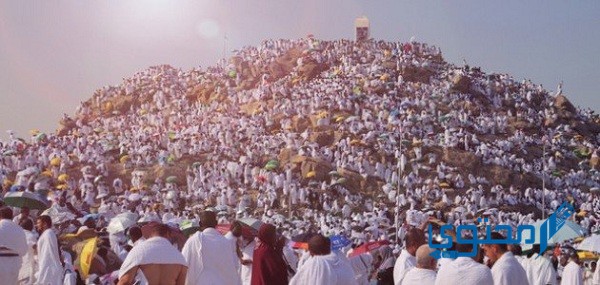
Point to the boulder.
(562, 103)
(320, 167)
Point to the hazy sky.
(54, 54)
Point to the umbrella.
(63, 178)
(189, 227)
(341, 180)
(121, 222)
(587, 256)
(58, 216)
(339, 241)
(171, 179)
(55, 161)
(271, 167)
(311, 174)
(86, 256)
(368, 247)
(333, 173)
(62, 186)
(41, 137)
(9, 152)
(595, 189)
(124, 158)
(569, 230)
(247, 232)
(591, 243)
(301, 240)
(134, 197)
(25, 199)
(251, 222)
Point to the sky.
(55, 54)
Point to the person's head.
(42, 223)
(160, 230)
(236, 229)
(6, 213)
(26, 224)
(90, 223)
(573, 256)
(208, 219)
(424, 258)
(593, 265)
(414, 239)
(495, 251)
(385, 252)
(135, 233)
(515, 249)
(25, 212)
(319, 245)
(267, 234)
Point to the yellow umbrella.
(55, 161)
(124, 158)
(7, 183)
(587, 255)
(63, 178)
(62, 186)
(339, 119)
(87, 256)
(47, 173)
(311, 174)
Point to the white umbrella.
(591, 243)
(121, 222)
(251, 222)
(57, 216)
(134, 197)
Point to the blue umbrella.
(339, 242)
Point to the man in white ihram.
(13, 246)
(572, 273)
(414, 238)
(49, 261)
(424, 273)
(539, 269)
(211, 257)
(464, 270)
(506, 269)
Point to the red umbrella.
(368, 247)
(225, 228)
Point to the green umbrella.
(341, 180)
(171, 179)
(41, 137)
(272, 165)
(189, 227)
(25, 199)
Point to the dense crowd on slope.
(394, 112)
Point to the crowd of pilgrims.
(389, 122)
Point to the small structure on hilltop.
(362, 29)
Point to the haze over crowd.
(55, 55)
